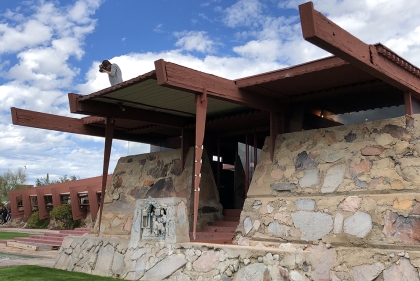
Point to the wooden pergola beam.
(64, 124)
(293, 71)
(108, 110)
(324, 33)
(187, 79)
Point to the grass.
(38, 273)
(11, 235)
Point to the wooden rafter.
(52, 122)
(285, 73)
(324, 33)
(109, 110)
(187, 79)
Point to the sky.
(50, 48)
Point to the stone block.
(351, 204)
(104, 261)
(283, 186)
(333, 178)
(360, 224)
(278, 230)
(338, 223)
(403, 271)
(207, 261)
(313, 225)
(310, 179)
(253, 272)
(305, 204)
(367, 272)
(165, 268)
(404, 229)
(331, 156)
(372, 150)
(247, 224)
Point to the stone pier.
(351, 192)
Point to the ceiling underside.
(332, 85)
(148, 95)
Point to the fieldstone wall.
(354, 189)
(158, 175)
(183, 262)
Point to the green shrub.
(64, 218)
(35, 222)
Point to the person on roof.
(113, 71)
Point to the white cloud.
(195, 41)
(244, 12)
(29, 34)
(158, 28)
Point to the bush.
(64, 218)
(35, 222)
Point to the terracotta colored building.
(83, 195)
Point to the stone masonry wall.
(157, 175)
(183, 262)
(354, 189)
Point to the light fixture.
(120, 104)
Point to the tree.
(46, 181)
(11, 180)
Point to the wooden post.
(255, 149)
(201, 111)
(246, 164)
(109, 132)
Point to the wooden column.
(246, 164)
(412, 104)
(201, 111)
(109, 132)
(219, 164)
(255, 149)
(276, 127)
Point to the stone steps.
(221, 232)
(232, 212)
(226, 223)
(226, 229)
(52, 238)
(38, 241)
(49, 239)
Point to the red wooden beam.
(108, 110)
(187, 79)
(107, 154)
(324, 33)
(296, 70)
(412, 105)
(64, 124)
(201, 111)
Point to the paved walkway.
(40, 258)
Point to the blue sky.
(50, 48)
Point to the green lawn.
(11, 235)
(38, 273)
